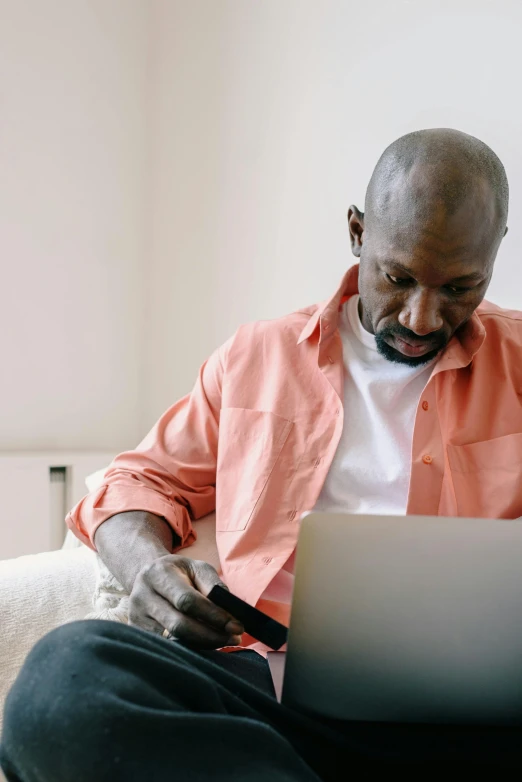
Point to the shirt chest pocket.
(250, 443)
(487, 477)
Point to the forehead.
(417, 230)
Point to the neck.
(362, 315)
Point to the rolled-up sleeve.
(172, 473)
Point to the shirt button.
(330, 359)
(326, 326)
(425, 405)
(427, 459)
(267, 560)
(292, 515)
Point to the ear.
(356, 228)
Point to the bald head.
(435, 214)
(438, 169)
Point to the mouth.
(407, 349)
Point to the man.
(399, 395)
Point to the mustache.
(437, 340)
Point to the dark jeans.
(98, 700)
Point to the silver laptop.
(415, 619)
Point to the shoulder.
(278, 330)
(502, 347)
(500, 323)
(487, 309)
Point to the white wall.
(172, 168)
(72, 221)
(268, 118)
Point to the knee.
(49, 685)
(45, 709)
(64, 650)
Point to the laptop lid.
(407, 619)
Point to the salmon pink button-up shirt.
(256, 437)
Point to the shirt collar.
(459, 352)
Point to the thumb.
(205, 577)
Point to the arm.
(130, 541)
(170, 478)
(172, 473)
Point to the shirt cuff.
(111, 499)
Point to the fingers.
(166, 596)
(191, 631)
(179, 581)
(152, 612)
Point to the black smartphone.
(257, 624)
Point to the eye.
(453, 289)
(405, 280)
(398, 280)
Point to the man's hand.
(167, 591)
(170, 593)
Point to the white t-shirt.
(370, 471)
(371, 468)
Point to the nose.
(421, 314)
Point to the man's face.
(422, 272)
